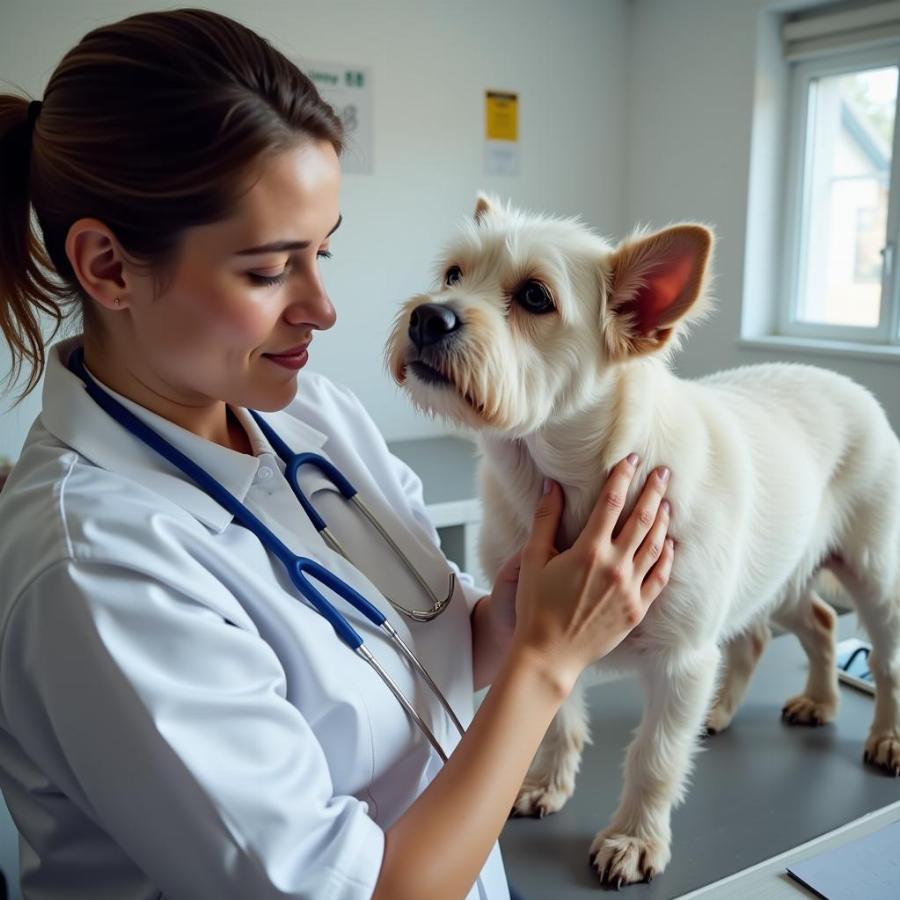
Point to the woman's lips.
(295, 358)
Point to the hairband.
(33, 109)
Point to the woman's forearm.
(438, 847)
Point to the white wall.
(631, 111)
(432, 61)
(693, 91)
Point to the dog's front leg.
(550, 780)
(678, 689)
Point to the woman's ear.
(97, 261)
(655, 282)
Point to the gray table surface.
(446, 465)
(759, 788)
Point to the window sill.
(820, 346)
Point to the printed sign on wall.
(501, 133)
(349, 90)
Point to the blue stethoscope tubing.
(299, 568)
(293, 462)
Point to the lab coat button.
(264, 473)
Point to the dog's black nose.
(430, 323)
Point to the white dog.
(554, 346)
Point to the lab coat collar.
(75, 419)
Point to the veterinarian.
(177, 719)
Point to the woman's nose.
(310, 305)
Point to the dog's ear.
(655, 282)
(484, 205)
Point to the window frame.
(887, 332)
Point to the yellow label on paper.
(501, 116)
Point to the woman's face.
(246, 293)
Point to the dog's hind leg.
(550, 780)
(883, 744)
(815, 624)
(636, 844)
(741, 654)
(879, 611)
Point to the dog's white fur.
(778, 471)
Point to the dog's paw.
(803, 710)
(540, 800)
(625, 859)
(883, 750)
(717, 719)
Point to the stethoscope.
(299, 568)
(292, 464)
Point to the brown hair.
(147, 124)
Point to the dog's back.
(825, 469)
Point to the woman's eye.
(454, 273)
(267, 279)
(270, 280)
(534, 297)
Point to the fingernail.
(633, 459)
(670, 543)
(664, 473)
(546, 489)
(666, 507)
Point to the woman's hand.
(574, 607)
(502, 599)
(571, 608)
(494, 622)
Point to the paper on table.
(868, 867)
(853, 664)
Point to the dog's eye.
(454, 273)
(534, 297)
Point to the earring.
(117, 301)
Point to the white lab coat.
(174, 722)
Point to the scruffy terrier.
(554, 346)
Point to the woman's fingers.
(652, 546)
(601, 587)
(644, 513)
(509, 571)
(609, 505)
(658, 576)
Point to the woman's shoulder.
(57, 506)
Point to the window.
(843, 197)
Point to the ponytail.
(26, 288)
